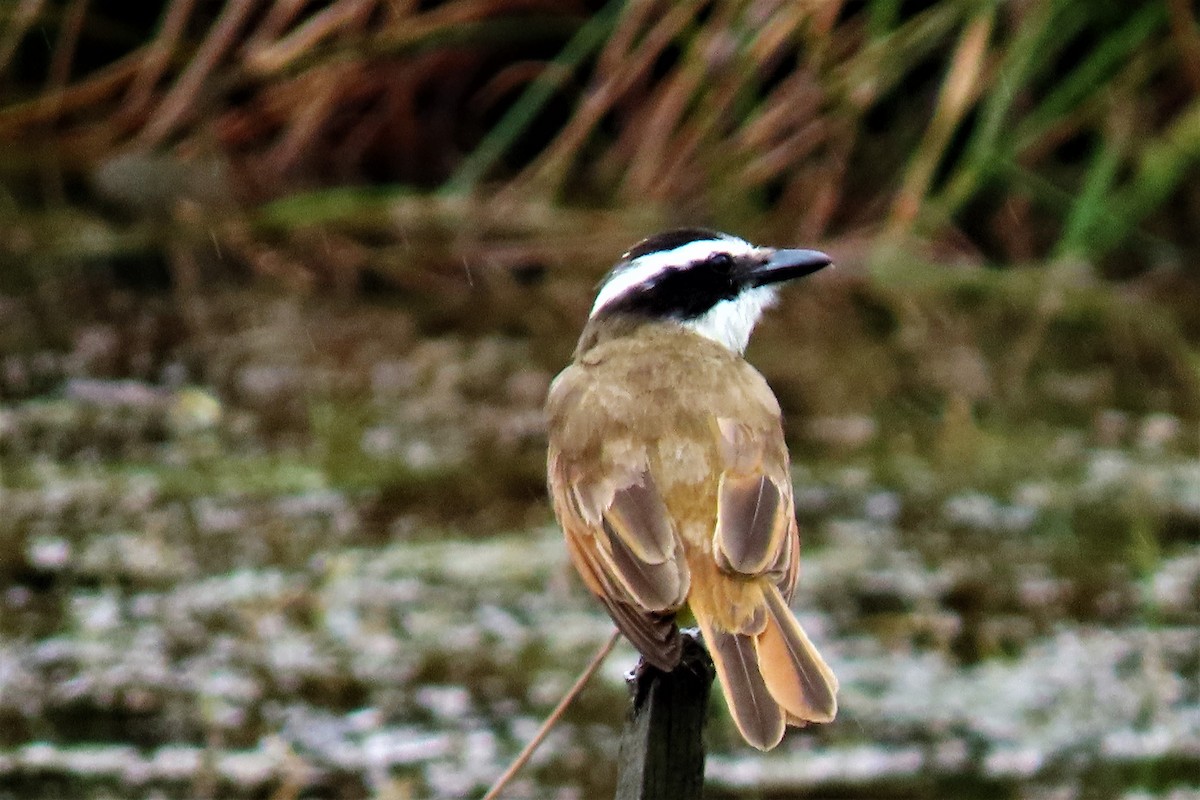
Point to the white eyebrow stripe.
(643, 268)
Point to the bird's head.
(713, 283)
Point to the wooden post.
(662, 746)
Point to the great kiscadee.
(670, 475)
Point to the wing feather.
(794, 672)
(755, 532)
(786, 569)
(655, 587)
(759, 718)
(632, 560)
(637, 515)
(751, 524)
(654, 635)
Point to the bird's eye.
(721, 262)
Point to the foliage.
(996, 131)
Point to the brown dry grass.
(340, 143)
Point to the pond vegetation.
(282, 287)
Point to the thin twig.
(1187, 39)
(279, 16)
(555, 715)
(56, 79)
(959, 91)
(620, 65)
(183, 98)
(49, 106)
(159, 52)
(588, 39)
(20, 21)
(331, 21)
(64, 49)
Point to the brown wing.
(619, 534)
(756, 531)
(626, 550)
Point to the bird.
(669, 474)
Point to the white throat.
(731, 322)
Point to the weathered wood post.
(662, 745)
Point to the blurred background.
(283, 284)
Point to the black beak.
(786, 265)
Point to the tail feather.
(757, 715)
(792, 669)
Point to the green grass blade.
(1091, 209)
(587, 40)
(1093, 74)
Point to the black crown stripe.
(669, 240)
